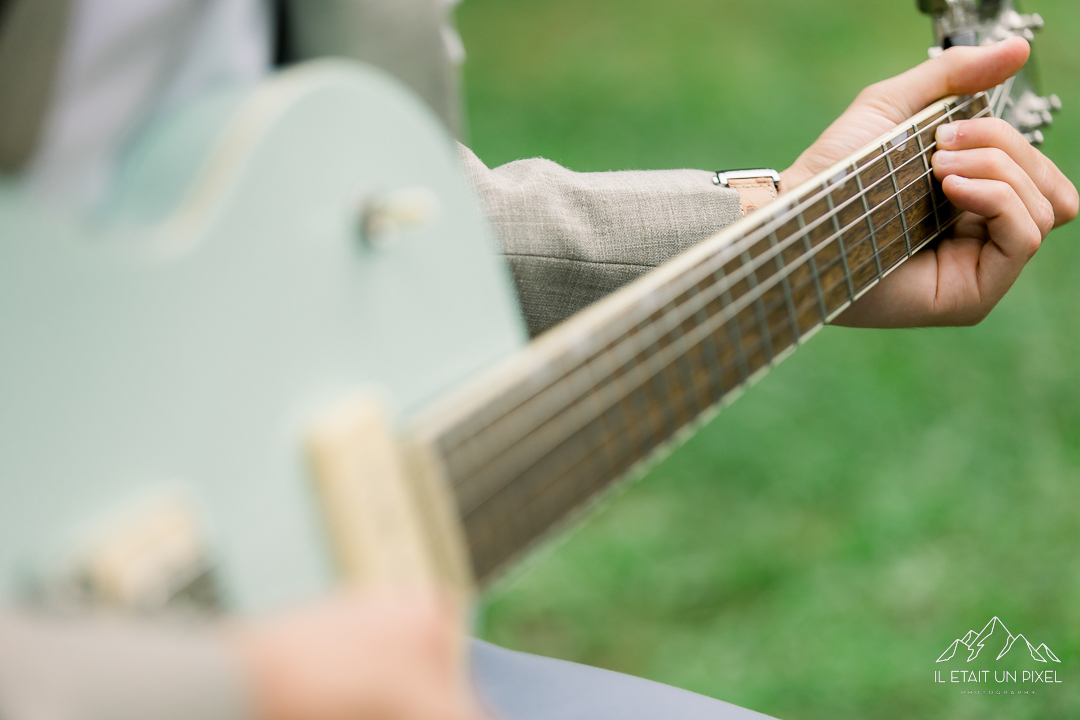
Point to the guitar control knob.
(1055, 103)
(382, 217)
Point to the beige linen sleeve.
(112, 669)
(571, 238)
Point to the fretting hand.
(1013, 195)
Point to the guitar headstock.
(984, 22)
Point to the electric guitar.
(287, 351)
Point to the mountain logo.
(995, 635)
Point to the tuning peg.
(1031, 112)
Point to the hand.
(390, 655)
(1012, 193)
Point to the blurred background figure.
(80, 78)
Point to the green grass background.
(811, 552)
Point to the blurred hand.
(385, 655)
(1014, 196)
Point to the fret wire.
(907, 238)
(685, 366)
(712, 355)
(625, 420)
(763, 325)
(869, 224)
(667, 419)
(833, 263)
(804, 258)
(840, 245)
(930, 181)
(772, 252)
(739, 345)
(892, 242)
(644, 406)
(864, 263)
(602, 415)
(903, 220)
(755, 236)
(895, 240)
(812, 262)
(789, 300)
(806, 202)
(734, 329)
(889, 244)
(641, 383)
(655, 373)
(716, 375)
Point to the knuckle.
(1032, 241)
(877, 96)
(999, 131)
(1000, 161)
(1003, 195)
(1044, 216)
(1068, 206)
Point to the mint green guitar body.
(184, 339)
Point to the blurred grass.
(811, 552)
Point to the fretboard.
(529, 444)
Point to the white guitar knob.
(382, 217)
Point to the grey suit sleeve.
(107, 669)
(571, 238)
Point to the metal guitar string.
(578, 409)
(719, 320)
(680, 312)
(704, 269)
(655, 365)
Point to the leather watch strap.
(756, 188)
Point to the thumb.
(957, 71)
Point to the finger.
(990, 163)
(957, 71)
(995, 133)
(1014, 237)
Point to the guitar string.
(714, 323)
(629, 342)
(697, 302)
(594, 448)
(625, 460)
(768, 328)
(848, 272)
(641, 375)
(760, 260)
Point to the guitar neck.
(529, 443)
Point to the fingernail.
(944, 157)
(946, 133)
(959, 179)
